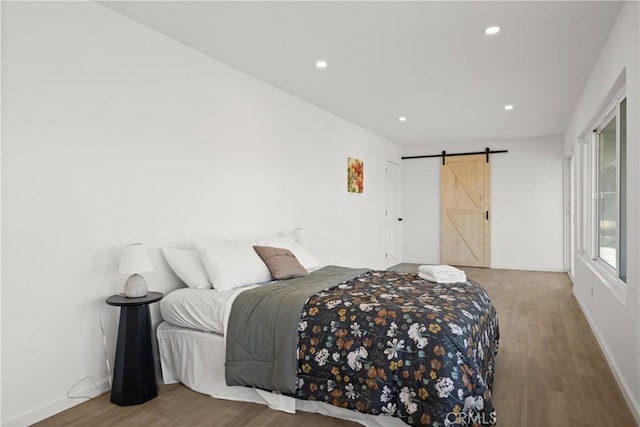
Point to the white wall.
(113, 133)
(615, 321)
(526, 203)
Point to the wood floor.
(549, 371)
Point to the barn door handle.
(487, 215)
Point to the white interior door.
(393, 215)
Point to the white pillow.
(187, 265)
(231, 263)
(304, 257)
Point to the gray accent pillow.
(281, 262)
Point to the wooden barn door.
(464, 211)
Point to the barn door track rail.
(444, 154)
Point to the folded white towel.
(447, 276)
(459, 279)
(439, 270)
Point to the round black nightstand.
(134, 373)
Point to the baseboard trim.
(498, 266)
(632, 403)
(529, 268)
(56, 406)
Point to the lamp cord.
(104, 346)
(78, 382)
(106, 359)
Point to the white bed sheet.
(196, 359)
(201, 309)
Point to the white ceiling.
(428, 61)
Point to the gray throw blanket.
(262, 332)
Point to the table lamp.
(135, 260)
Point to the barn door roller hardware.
(444, 154)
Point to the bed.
(376, 347)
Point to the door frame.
(570, 213)
(394, 188)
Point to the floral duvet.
(393, 344)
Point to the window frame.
(590, 225)
(613, 113)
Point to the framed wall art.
(355, 175)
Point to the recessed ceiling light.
(402, 119)
(321, 64)
(508, 107)
(491, 30)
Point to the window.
(622, 201)
(607, 193)
(605, 163)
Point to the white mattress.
(201, 309)
(196, 359)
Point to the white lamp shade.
(135, 259)
(300, 236)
